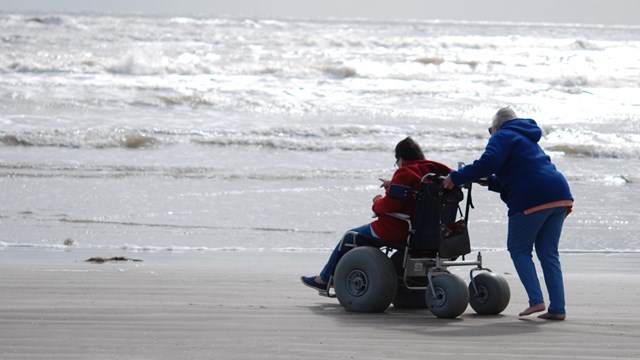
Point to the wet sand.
(251, 305)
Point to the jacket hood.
(526, 127)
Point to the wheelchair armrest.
(401, 192)
(404, 217)
(400, 216)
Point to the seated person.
(412, 166)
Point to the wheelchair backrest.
(434, 225)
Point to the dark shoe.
(550, 316)
(310, 281)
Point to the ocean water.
(231, 134)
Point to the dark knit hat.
(408, 149)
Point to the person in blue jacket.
(538, 198)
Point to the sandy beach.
(230, 154)
(251, 305)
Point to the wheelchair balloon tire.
(365, 280)
(492, 295)
(451, 296)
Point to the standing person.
(412, 166)
(538, 198)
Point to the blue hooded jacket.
(517, 168)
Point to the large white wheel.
(451, 296)
(491, 293)
(365, 280)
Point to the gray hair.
(502, 116)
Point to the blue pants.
(330, 267)
(541, 229)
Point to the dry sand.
(249, 305)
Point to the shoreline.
(251, 305)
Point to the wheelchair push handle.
(434, 178)
(482, 181)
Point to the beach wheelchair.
(373, 273)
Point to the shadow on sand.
(421, 321)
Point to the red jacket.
(409, 174)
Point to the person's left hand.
(448, 183)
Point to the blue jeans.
(330, 267)
(542, 229)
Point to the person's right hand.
(448, 183)
(375, 198)
(385, 183)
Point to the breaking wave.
(338, 71)
(595, 151)
(314, 138)
(433, 60)
(624, 143)
(73, 139)
(294, 137)
(583, 45)
(46, 20)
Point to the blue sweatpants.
(541, 229)
(329, 268)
